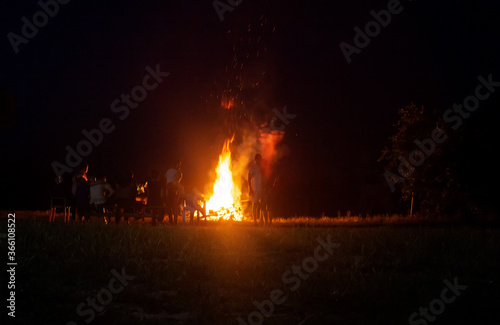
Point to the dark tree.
(455, 176)
(418, 167)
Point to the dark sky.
(66, 77)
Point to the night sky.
(66, 77)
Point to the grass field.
(230, 273)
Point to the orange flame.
(224, 201)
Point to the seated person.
(57, 189)
(126, 190)
(192, 204)
(100, 191)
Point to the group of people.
(165, 195)
(95, 194)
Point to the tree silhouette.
(419, 168)
(458, 177)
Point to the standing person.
(80, 176)
(82, 199)
(126, 190)
(256, 187)
(173, 178)
(271, 194)
(267, 191)
(156, 193)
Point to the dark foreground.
(239, 274)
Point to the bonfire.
(224, 201)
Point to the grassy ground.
(213, 274)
